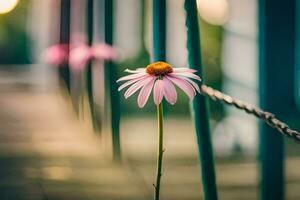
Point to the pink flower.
(104, 52)
(160, 77)
(57, 54)
(79, 54)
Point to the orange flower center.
(159, 68)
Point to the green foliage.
(14, 39)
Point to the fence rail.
(268, 117)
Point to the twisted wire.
(267, 117)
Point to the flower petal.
(130, 82)
(184, 85)
(195, 85)
(187, 74)
(79, 57)
(138, 70)
(56, 54)
(169, 91)
(131, 76)
(136, 86)
(104, 52)
(158, 91)
(184, 69)
(145, 93)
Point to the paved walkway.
(45, 153)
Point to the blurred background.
(49, 148)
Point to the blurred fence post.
(89, 72)
(276, 67)
(297, 64)
(200, 105)
(142, 24)
(143, 54)
(64, 71)
(159, 35)
(159, 30)
(111, 78)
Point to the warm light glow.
(7, 5)
(213, 11)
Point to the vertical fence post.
(112, 76)
(297, 54)
(142, 24)
(89, 21)
(200, 105)
(89, 72)
(64, 35)
(159, 30)
(276, 68)
(159, 35)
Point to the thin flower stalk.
(160, 122)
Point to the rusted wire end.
(268, 118)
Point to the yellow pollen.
(159, 68)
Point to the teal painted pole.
(64, 70)
(297, 59)
(159, 35)
(276, 88)
(159, 30)
(200, 105)
(112, 76)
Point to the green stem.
(160, 122)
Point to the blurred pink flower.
(79, 54)
(104, 52)
(57, 54)
(160, 77)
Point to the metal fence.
(277, 39)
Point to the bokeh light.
(7, 5)
(214, 12)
